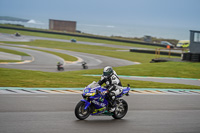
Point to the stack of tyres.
(183, 56)
(191, 57)
(195, 57)
(187, 57)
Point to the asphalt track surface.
(21, 113)
(39, 60)
(43, 61)
(8, 56)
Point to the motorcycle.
(96, 103)
(84, 65)
(60, 67)
(17, 34)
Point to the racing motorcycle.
(84, 65)
(60, 67)
(96, 102)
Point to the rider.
(58, 65)
(113, 84)
(84, 63)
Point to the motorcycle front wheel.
(121, 109)
(80, 112)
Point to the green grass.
(6, 61)
(66, 57)
(9, 31)
(100, 50)
(26, 78)
(165, 69)
(64, 45)
(13, 52)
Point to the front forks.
(87, 104)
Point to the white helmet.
(107, 71)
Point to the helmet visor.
(107, 74)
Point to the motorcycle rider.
(59, 66)
(113, 84)
(84, 65)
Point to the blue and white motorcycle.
(96, 102)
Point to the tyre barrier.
(191, 57)
(153, 52)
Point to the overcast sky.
(169, 13)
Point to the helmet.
(107, 72)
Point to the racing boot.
(113, 104)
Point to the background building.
(61, 25)
(194, 42)
(194, 47)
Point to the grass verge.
(164, 69)
(13, 52)
(66, 57)
(75, 79)
(100, 50)
(6, 61)
(67, 79)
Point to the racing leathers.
(114, 86)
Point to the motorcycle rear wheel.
(80, 112)
(121, 110)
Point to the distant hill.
(7, 18)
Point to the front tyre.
(121, 109)
(80, 112)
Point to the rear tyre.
(80, 112)
(121, 109)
